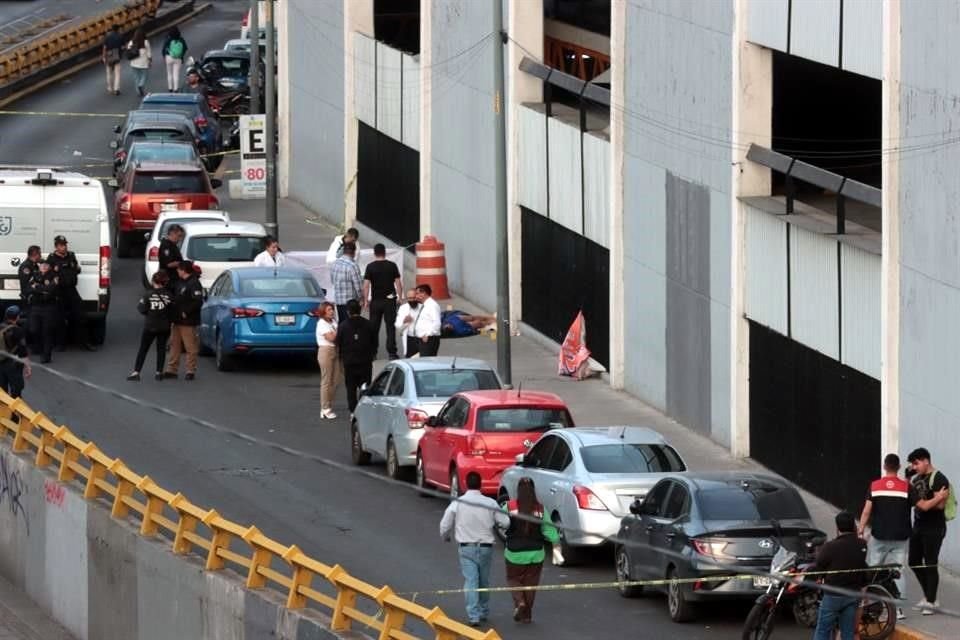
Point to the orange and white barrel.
(432, 266)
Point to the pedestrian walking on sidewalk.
(140, 56)
(156, 306)
(470, 521)
(110, 55)
(327, 359)
(347, 281)
(382, 287)
(174, 49)
(355, 344)
(529, 531)
(187, 302)
(887, 513)
(929, 525)
(847, 555)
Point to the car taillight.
(246, 19)
(154, 254)
(587, 499)
(476, 446)
(244, 312)
(316, 312)
(104, 266)
(201, 122)
(417, 418)
(709, 547)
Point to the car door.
(394, 405)
(557, 483)
(451, 440)
(208, 313)
(368, 412)
(533, 463)
(430, 442)
(223, 308)
(643, 555)
(671, 538)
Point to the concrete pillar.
(618, 57)
(524, 24)
(357, 16)
(752, 115)
(426, 112)
(282, 17)
(890, 260)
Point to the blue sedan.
(260, 310)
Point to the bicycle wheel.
(759, 623)
(878, 618)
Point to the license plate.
(11, 285)
(286, 319)
(169, 206)
(762, 582)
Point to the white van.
(38, 204)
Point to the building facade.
(750, 200)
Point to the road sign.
(253, 155)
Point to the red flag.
(574, 355)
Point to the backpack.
(175, 49)
(4, 347)
(950, 507)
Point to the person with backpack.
(110, 56)
(156, 305)
(139, 54)
(174, 50)
(936, 505)
(13, 340)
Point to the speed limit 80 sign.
(253, 155)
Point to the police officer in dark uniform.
(169, 255)
(27, 269)
(13, 340)
(66, 268)
(44, 303)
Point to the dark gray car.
(709, 525)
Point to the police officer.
(169, 256)
(27, 268)
(66, 268)
(13, 340)
(44, 302)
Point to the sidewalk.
(22, 619)
(593, 402)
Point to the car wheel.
(622, 559)
(502, 499)
(681, 609)
(571, 555)
(225, 362)
(394, 469)
(357, 454)
(421, 478)
(454, 483)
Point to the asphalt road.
(378, 531)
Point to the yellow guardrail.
(84, 35)
(205, 532)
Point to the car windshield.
(190, 109)
(229, 67)
(163, 153)
(174, 182)
(280, 287)
(157, 134)
(225, 248)
(631, 458)
(517, 419)
(753, 503)
(442, 383)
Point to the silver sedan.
(392, 412)
(586, 478)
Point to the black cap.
(60, 240)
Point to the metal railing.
(85, 35)
(223, 543)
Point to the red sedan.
(483, 431)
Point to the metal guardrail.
(204, 532)
(85, 35)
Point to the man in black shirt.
(28, 268)
(382, 287)
(168, 254)
(187, 302)
(13, 340)
(356, 343)
(66, 267)
(929, 526)
(845, 553)
(44, 304)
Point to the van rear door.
(79, 214)
(21, 225)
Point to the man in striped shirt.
(887, 511)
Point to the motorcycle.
(877, 617)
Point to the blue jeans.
(836, 611)
(139, 76)
(475, 566)
(890, 552)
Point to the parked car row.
(447, 416)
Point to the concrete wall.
(315, 84)
(97, 577)
(462, 204)
(676, 223)
(929, 230)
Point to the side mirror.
(432, 421)
(636, 507)
(116, 185)
(216, 183)
(519, 459)
(114, 144)
(362, 391)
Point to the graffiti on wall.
(12, 489)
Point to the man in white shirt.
(271, 256)
(406, 314)
(336, 247)
(427, 325)
(471, 520)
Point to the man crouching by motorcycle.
(846, 553)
